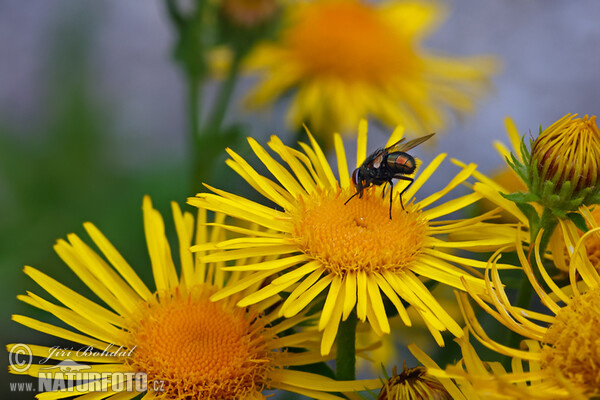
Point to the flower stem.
(194, 133)
(223, 97)
(547, 222)
(345, 361)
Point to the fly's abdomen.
(401, 162)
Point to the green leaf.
(530, 213)
(578, 220)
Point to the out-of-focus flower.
(562, 348)
(347, 59)
(248, 13)
(413, 384)
(352, 251)
(192, 347)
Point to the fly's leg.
(404, 178)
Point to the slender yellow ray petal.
(503, 150)
(342, 163)
(242, 284)
(278, 264)
(72, 299)
(264, 293)
(305, 298)
(514, 136)
(457, 180)
(246, 204)
(185, 240)
(377, 304)
(361, 300)
(58, 332)
(350, 297)
(323, 163)
(265, 184)
(331, 327)
(373, 320)
(155, 238)
(219, 204)
(318, 382)
(332, 299)
(293, 340)
(451, 206)
(243, 242)
(424, 175)
(361, 143)
(307, 163)
(262, 251)
(89, 326)
(427, 362)
(281, 174)
(107, 276)
(66, 252)
(297, 273)
(304, 177)
(391, 294)
(311, 394)
(244, 231)
(117, 260)
(485, 244)
(545, 299)
(302, 287)
(424, 294)
(495, 197)
(460, 260)
(322, 176)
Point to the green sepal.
(578, 220)
(520, 197)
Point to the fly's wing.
(403, 146)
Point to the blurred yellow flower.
(562, 348)
(354, 250)
(347, 59)
(191, 346)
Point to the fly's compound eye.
(355, 177)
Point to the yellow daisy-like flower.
(354, 250)
(184, 344)
(347, 59)
(562, 352)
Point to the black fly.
(385, 164)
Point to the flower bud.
(248, 13)
(564, 169)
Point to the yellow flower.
(562, 348)
(347, 59)
(354, 250)
(187, 345)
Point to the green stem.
(194, 104)
(547, 222)
(345, 361)
(223, 97)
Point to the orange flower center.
(199, 348)
(573, 348)
(359, 235)
(350, 41)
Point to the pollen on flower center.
(573, 346)
(359, 236)
(200, 348)
(351, 41)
